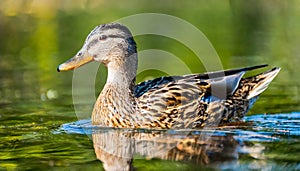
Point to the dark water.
(39, 127)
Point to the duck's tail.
(259, 83)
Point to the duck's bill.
(74, 62)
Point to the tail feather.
(263, 81)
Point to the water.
(261, 145)
(268, 142)
(39, 129)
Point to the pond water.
(40, 131)
(262, 145)
(41, 128)
(266, 142)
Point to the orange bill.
(75, 62)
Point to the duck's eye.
(102, 37)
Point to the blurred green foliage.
(38, 35)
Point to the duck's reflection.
(117, 148)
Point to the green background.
(36, 36)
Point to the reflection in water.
(117, 148)
(251, 146)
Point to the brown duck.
(188, 101)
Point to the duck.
(168, 102)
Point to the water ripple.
(263, 128)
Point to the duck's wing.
(145, 86)
(184, 101)
(218, 78)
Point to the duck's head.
(107, 43)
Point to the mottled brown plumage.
(189, 101)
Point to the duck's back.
(199, 100)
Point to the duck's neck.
(116, 104)
(122, 73)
